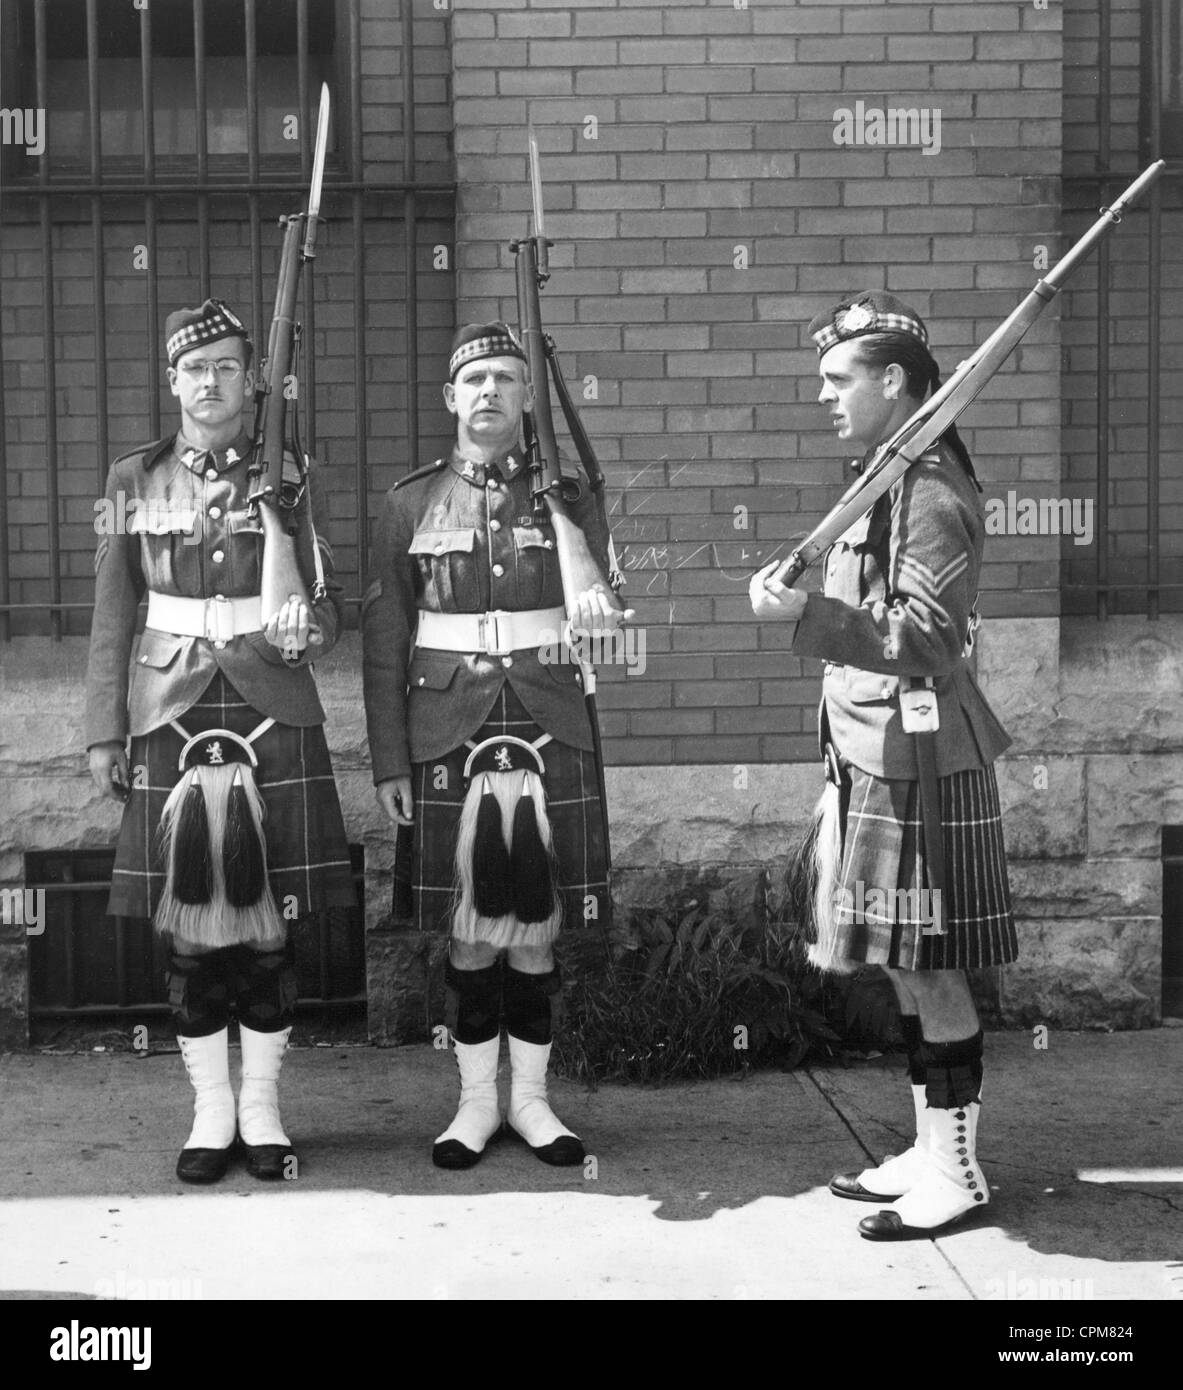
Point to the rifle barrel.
(923, 428)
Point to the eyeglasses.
(227, 369)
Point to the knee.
(267, 990)
(472, 955)
(199, 992)
(936, 987)
(531, 960)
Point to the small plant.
(691, 997)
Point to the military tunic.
(463, 538)
(175, 520)
(898, 601)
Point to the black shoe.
(564, 1152)
(203, 1165)
(270, 1162)
(455, 1155)
(848, 1185)
(889, 1225)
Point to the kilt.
(425, 853)
(307, 852)
(882, 852)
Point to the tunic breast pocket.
(539, 583)
(868, 688)
(169, 533)
(446, 561)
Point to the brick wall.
(131, 378)
(1131, 519)
(713, 132)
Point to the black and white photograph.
(591, 666)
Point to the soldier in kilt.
(481, 742)
(231, 824)
(905, 861)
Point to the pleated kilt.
(882, 852)
(307, 852)
(425, 853)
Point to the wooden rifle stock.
(269, 496)
(925, 427)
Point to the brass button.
(507, 661)
(886, 691)
(215, 512)
(492, 484)
(439, 550)
(494, 525)
(143, 661)
(498, 570)
(218, 556)
(211, 473)
(422, 680)
(219, 644)
(550, 545)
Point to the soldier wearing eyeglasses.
(185, 538)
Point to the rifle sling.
(583, 445)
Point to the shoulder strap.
(151, 453)
(423, 472)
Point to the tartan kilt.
(882, 848)
(307, 851)
(425, 853)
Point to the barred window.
(1168, 53)
(196, 64)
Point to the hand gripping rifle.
(918, 433)
(271, 495)
(578, 567)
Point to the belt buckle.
(219, 620)
(495, 645)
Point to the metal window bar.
(1103, 586)
(64, 978)
(100, 189)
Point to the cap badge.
(854, 319)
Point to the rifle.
(270, 493)
(577, 566)
(922, 429)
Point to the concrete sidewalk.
(706, 1190)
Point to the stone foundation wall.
(1095, 772)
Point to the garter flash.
(505, 870)
(216, 890)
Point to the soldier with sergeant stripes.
(904, 866)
